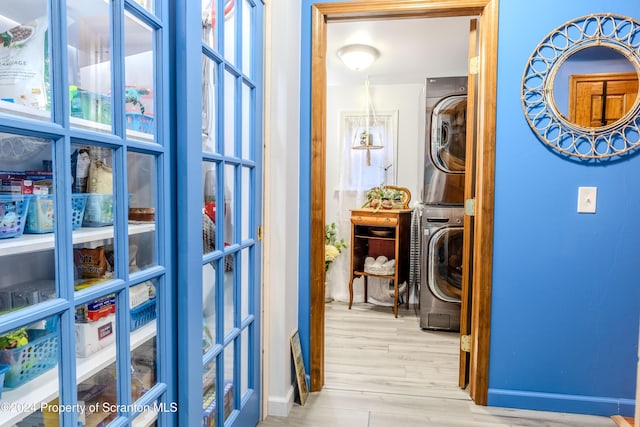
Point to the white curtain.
(355, 178)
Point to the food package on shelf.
(96, 309)
(139, 294)
(94, 336)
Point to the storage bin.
(3, 370)
(98, 211)
(143, 314)
(94, 336)
(31, 360)
(139, 122)
(94, 106)
(13, 215)
(40, 218)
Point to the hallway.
(384, 372)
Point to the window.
(358, 172)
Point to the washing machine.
(440, 287)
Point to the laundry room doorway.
(479, 314)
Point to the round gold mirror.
(580, 87)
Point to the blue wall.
(566, 292)
(566, 286)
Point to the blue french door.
(87, 289)
(219, 191)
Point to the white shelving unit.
(32, 113)
(28, 243)
(22, 401)
(145, 419)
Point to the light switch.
(587, 199)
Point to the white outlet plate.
(587, 199)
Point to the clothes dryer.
(445, 141)
(441, 267)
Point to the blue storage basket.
(139, 122)
(98, 210)
(13, 214)
(31, 360)
(143, 314)
(3, 370)
(40, 218)
(78, 203)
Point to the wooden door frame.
(487, 10)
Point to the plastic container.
(143, 314)
(40, 218)
(98, 211)
(139, 122)
(94, 106)
(31, 360)
(13, 214)
(3, 370)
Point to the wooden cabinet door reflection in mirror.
(601, 99)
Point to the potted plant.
(332, 248)
(365, 138)
(332, 245)
(384, 197)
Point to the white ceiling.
(410, 49)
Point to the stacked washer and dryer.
(441, 211)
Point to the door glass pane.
(139, 79)
(27, 205)
(209, 215)
(229, 380)
(144, 313)
(28, 356)
(208, 306)
(229, 195)
(229, 295)
(209, 403)
(247, 36)
(229, 27)
(245, 212)
(209, 70)
(24, 68)
(246, 121)
(229, 113)
(94, 256)
(244, 362)
(143, 366)
(90, 64)
(147, 4)
(209, 22)
(142, 219)
(95, 359)
(245, 280)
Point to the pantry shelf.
(27, 398)
(40, 242)
(32, 113)
(145, 419)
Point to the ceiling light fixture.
(358, 56)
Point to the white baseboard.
(281, 406)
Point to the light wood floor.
(386, 372)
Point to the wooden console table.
(385, 232)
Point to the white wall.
(407, 100)
(281, 160)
